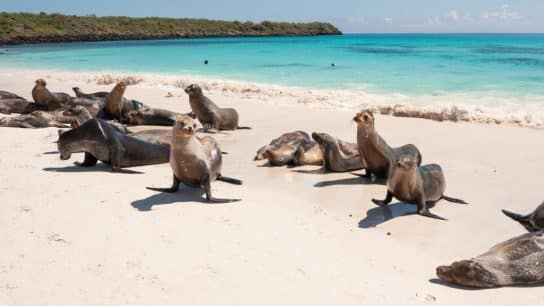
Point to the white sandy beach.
(74, 236)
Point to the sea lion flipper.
(243, 128)
(384, 202)
(427, 213)
(172, 189)
(523, 220)
(89, 161)
(453, 200)
(229, 180)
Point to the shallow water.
(468, 69)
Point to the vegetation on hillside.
(18, 28)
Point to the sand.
(74, 236)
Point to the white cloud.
(453, 15)
(388, 20)
(505, 13)
(433, 21)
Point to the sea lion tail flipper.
(243, 128)
(429, 214)
(520, 218)
(454, 200)
(224, 153)
(229, 180)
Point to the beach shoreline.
(297, 237)
(485, 109)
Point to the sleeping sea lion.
(518, 261)
(283, 139)
(95, 95)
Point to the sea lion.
(36, 119)
(375, 153)
(310, 154)
(100, 141)
(532, 222)
(117, 106)
(196, 162)
(420, 185)
(209, 114)
(338, 156)
(151, 116)
(81, 114)
(518, 261)
(283, 151)
(9, 95)
(10, 105)
(52, 100)
(283, 139)
(95, 95)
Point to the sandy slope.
(92, 237)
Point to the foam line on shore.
(482, 107)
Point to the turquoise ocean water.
(500, 65)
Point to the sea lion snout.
(41, 82)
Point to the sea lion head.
(322, 138)
(467, 273)
(74, 111)
(134, 117)
(121, 86)
(406, 162)
(364, 119)
(63, 150)
(41, 82)
(185, 126)
(193, 90)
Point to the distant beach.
(457, 77)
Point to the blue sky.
(355, 16)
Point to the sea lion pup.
(413, 184)
(8, 106)
(338, 156)
(283, 139)
(100, 141)
(52, 100)
(532, 222)
(196, 162)
(95, 95)
(151, 116)
(376, 154)
(36, 119)
(209, 114)
(518, 261)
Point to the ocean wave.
(484, 107)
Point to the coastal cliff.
(26, 28)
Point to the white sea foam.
(468, 107)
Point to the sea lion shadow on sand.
(437, 281)
(381, 214)
(358, 180)
(195, 195)
(100, 167)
